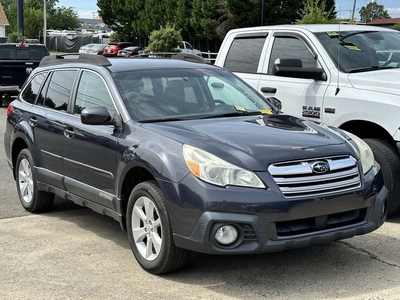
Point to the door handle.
(33, 121)
(69, 133)
(266, 89)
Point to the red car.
(112, 48)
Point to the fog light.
(226, 234)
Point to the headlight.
(365, 152)
(214, 170)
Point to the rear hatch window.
(23, 52)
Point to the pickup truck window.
(244, 55)
(362, 50)
(290, 47)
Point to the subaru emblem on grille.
(320, 167)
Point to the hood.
(385, 81)
(255, 142)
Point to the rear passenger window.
(31, 90)
(244, 55)
(92, 92)
(59, 90)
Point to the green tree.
(164, 39)
(182, 21)
(396, 26)
(373, 11)
(33, 24)
(63, 18)
(16, 37)
(315, 12)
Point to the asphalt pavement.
(74, 253)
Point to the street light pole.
(44, 23)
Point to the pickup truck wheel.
(149, 231)
(387, 157)
(31, 198)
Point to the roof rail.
(174, 55)
(98, 60)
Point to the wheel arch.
(366, 129)
(17, 146)
(132, 178)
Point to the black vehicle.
(16, 62)
(187, 157)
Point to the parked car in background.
(187, 157)
(85, 48)
(112, 48)
(33, 41)
(185, 47)
(130, 51)
(97, 49)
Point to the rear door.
(46, 119)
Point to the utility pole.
(354, 8)
(20, 16)
(262, 12)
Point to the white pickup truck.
(185, 47)
(347, 76)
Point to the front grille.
(297, 178)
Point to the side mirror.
(275, 103)
(293, 67)
(98, 115)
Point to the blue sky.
(88, 8)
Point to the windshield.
(362, 50)
(178, 94)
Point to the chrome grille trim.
(296, 178)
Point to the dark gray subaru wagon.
(187, 157)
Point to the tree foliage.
(373, 11)
(165, 39)
(203, 21)
(315, 12)
(396, 26)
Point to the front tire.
(387, 157)
(31, 198)
(149, 231)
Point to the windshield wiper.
(371, 68)
(231, 114)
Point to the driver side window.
(291, 47)
(92, 91)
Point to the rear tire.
(387, 157)
(149, 231)
(31, 198)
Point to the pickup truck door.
(299, 96)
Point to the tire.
(31, 198)
(149, 231)
(387, 157)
